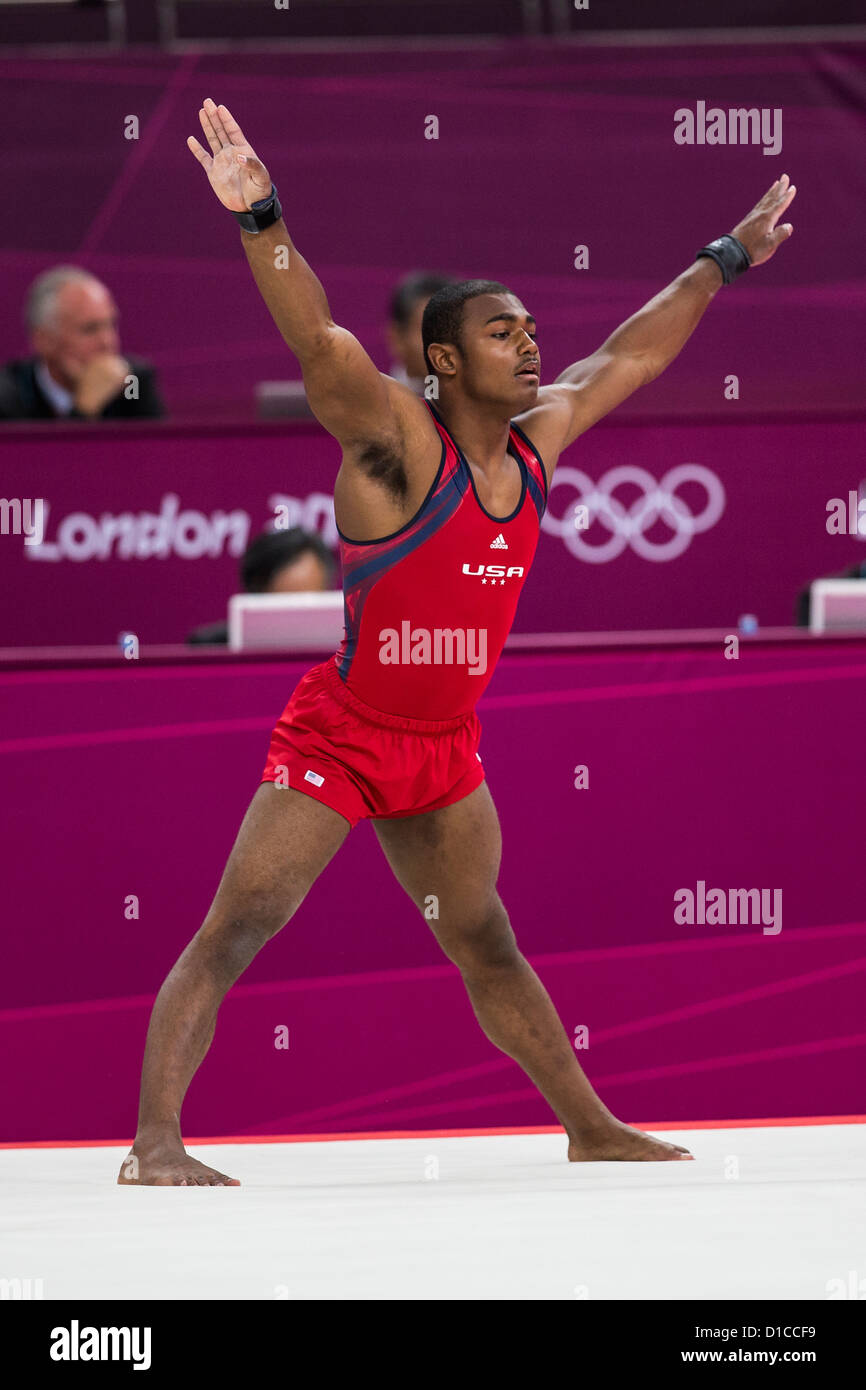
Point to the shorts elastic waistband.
(349, 700)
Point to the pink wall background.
(133, 778)
(541, 147)
(775, 479)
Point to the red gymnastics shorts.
(363, 762)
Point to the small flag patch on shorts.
(310, 776)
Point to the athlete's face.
(500, 359)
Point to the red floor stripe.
(436, 1133)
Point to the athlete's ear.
(443, 358)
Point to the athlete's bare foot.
(169, 1167)
(616, 1142)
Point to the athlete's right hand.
(237, 176)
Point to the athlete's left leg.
(454, 853)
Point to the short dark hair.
(272, 550)
(420, 284)
(443, 317)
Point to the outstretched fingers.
(777, 196)
(774, 194)
(784, 202)
(223, 124)
(200, 153)
(230, 126)
(783, 193)
(210, 124)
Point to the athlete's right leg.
(285, 841)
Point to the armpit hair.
(383, 462)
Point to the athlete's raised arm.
(640, 349)
(346, 391)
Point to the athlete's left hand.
(758, 232)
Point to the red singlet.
(387, 727)
(429, 607)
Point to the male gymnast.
(436, 537)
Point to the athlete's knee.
(480, 939)
(242, 926)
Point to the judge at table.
(77, 371)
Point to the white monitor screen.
(838, 605)
(288, 622)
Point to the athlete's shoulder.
(534, 468)
(410, 408)
(544, 425)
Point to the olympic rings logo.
(629, 525)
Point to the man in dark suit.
(77, 371)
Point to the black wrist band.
(729, 254)
(263, 213)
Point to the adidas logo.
(500, 543)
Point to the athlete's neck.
(481, 431)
